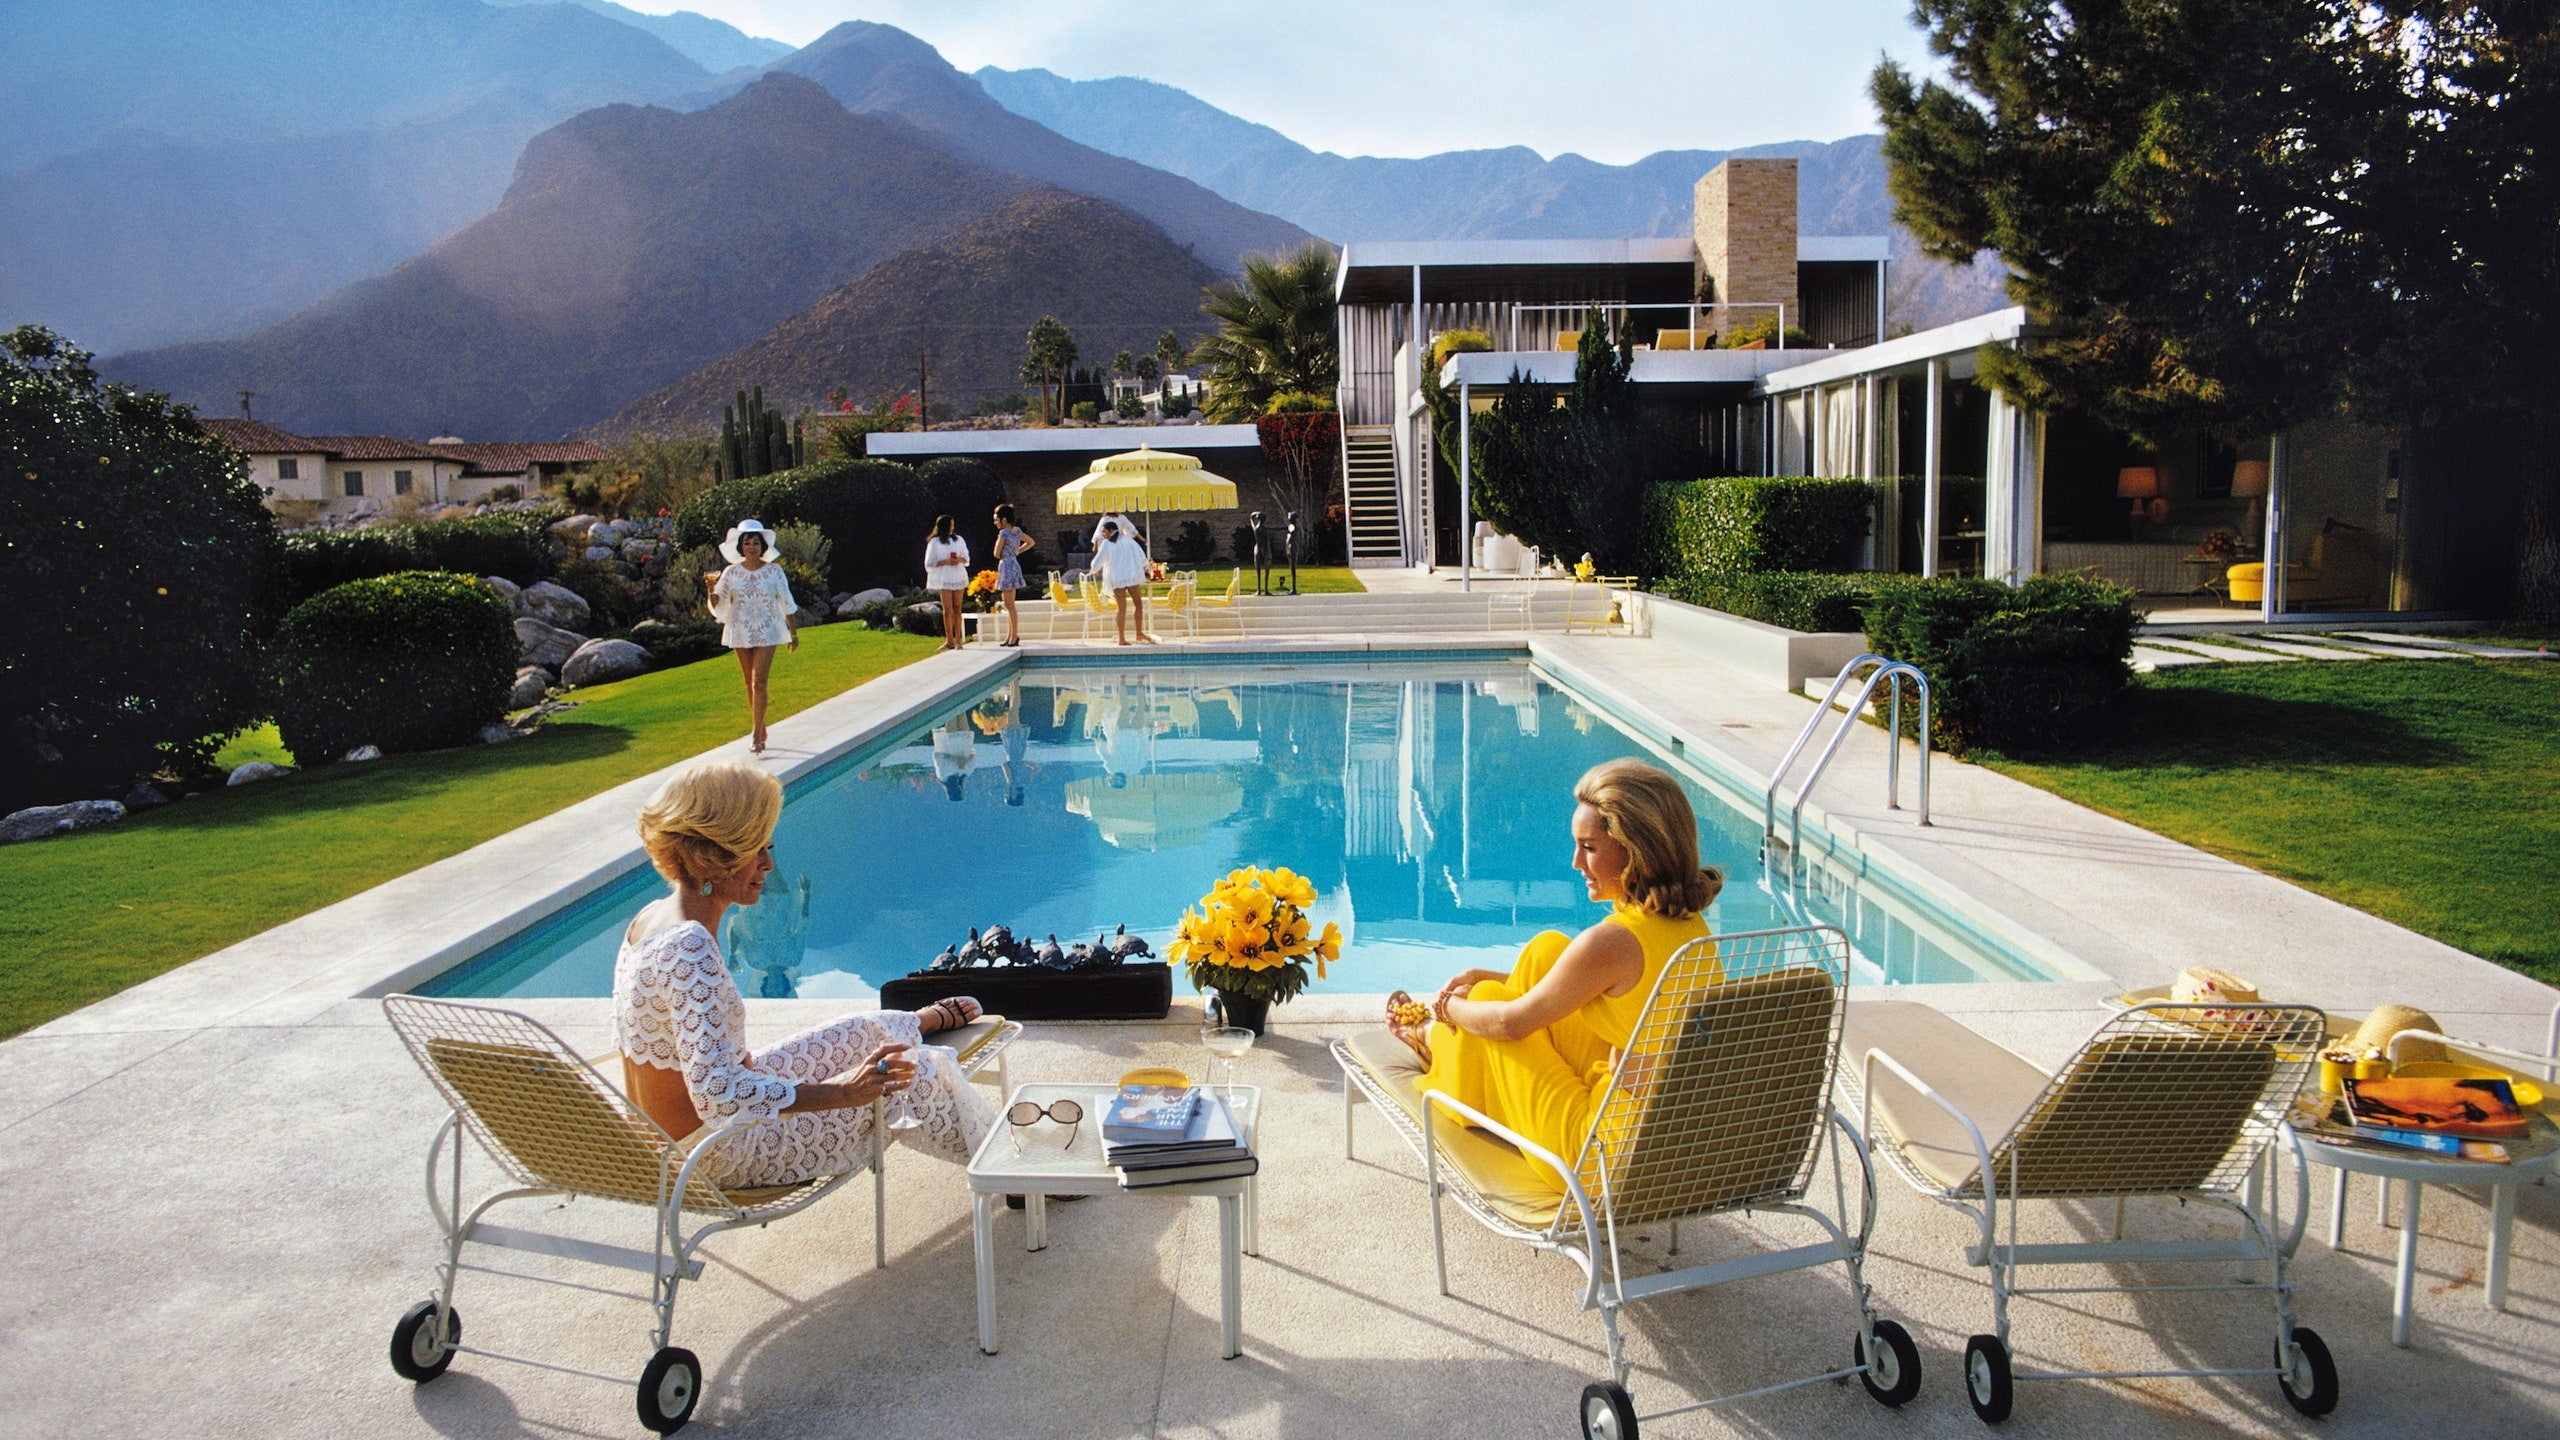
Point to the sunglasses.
(1022, 1114)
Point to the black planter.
(1030, 992)
(1251, 1012)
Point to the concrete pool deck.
(213, 1183)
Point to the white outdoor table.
(1041, 1166)
(2535, 1157)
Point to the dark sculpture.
(998, 947)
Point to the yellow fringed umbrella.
(1143, 481)
(1155, 812)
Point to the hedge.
(678, 643)
(1749, 522)
(874, 512)
(2031, 667)
(411, 661)
(1795, 600)
(509, 544)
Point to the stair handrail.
(1888, 672)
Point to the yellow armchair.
(2342, 567)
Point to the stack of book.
(1172, 1135)
(2466, 1117)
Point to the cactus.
(755, 440)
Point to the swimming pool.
(1427, 795)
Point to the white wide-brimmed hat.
(729, 547)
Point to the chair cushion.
(971, 1038)
(1990, 1084)
(1516, 1187)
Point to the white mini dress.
(754, 607)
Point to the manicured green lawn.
(2426, 792)
(86, 915)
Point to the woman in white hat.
(753, 603)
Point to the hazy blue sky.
(1610, 79)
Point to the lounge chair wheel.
(668, 1388)
(1893, 1376)
(1986, 1378)
(1608, 1412)
(420, 1355)
(2309, 1376)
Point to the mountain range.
(1116, 281)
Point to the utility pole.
(924, 412)
(245, 397)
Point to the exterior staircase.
(1369, 487)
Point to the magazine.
(2473, 1107)
(1149, 1114)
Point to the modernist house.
(2361, 522)
(357, 473)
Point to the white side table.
(2535, 1157)
(1041, 1166)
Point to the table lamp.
(2249, 482)
(2139, 484)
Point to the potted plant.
(1250, 940)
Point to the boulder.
(144, 797)
(573, 525)
(928, 607)
(555, 605)
(598, 661)
(546, 645)
(508, 590)
(598, 553)
(257, 770)
(838, 598)
(532, 683)
(495, 734)
(360, 754)
(43, 820)
(865, 599)
(809, 615)
(642, 551)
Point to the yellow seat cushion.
(1518, 1188)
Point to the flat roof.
(1063, 438)
(1962, 337)
(1369, 269)
(1769, 372)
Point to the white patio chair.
(2162, 1100)
(554, 1127)
(1721, 1103)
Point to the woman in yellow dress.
(1533, 1049)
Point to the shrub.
(410, 661)
(681, 643)
(2034, 667)
(916, 620)
(808, 587)
(968, 491)
(1192, 545)
(680, 589)
(1795, 600)
(803, 550)
(1298, 402)
(512, 545)
(1085, 410)
(874, 512)
(1747, 522)
(139, 572)
(705, 519)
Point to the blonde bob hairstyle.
(709, 822)
(1646, 811)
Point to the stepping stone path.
(2162, 652)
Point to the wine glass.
(1229, 1043)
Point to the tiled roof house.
(365, 472)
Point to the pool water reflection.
(1428, 799)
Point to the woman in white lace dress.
(753, 603)
(682, 1025)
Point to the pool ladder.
(1777, 854)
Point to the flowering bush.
(981, 594)
(1251, 936)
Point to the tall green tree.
(1275, 333)
(1048, 351)
(1558, 466)
(2240, 216)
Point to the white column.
(1466, 492)
(1884, 536)
(1930, 518)
(2271, 592)
(2000, 492)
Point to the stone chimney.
(1745, 220)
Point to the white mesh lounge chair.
(2163, 1100)
(556, 1128)
(1721, 1103)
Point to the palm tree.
(1171, 353)
(1275, 333)
(1048, 351)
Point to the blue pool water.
(1428, 798)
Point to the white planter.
(1768, 653)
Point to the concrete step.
(2231, 654)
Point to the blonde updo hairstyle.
(709, 822)
(1646, 811)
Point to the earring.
(706, 887)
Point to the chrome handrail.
(1887, 672)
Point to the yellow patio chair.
(1720, 1105)
(1226, 602)
(2163, 1100)
(1181, 599)
(1607, 609)
(1098, 604)
(556, 1129)
(1064, 595)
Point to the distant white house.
(357, 473)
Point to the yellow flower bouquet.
(1250, 936)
